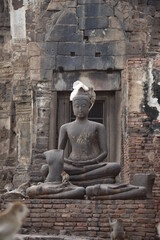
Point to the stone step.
(52, 237)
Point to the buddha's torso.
(84, 141)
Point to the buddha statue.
(85, 171)
(55, 186)
(86, 164)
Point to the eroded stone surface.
(132, 50)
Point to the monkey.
(118, 232)
(8, 187)
(19, 192)
(11, 220)
(65, 177)
(22, 188)
(158, 229)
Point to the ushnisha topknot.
(76, 86)
(80, 88)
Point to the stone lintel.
(101, 81)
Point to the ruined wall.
(6, 80)
(85, 36)
(141, 136)
(45, 46)
(44, 42)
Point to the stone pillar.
(22, 98)
(24, 139)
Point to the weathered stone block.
(99, 63)
(94, 10)
(138, 37)
(42, 130)
(68, 17)
(46, 74)
(43, 113)
(135, 48)
(150, 11)
(35, 75)
(40, 37)
(64, 33)
(115, 23)
(55, 6)
(49, 48)
(111, 48)
(24, 143)
(35, 63)
(123, 10)
(33, 49)
(5, 92)
(6, 70)
(93, 23)
(120, 62)
(43, 88)
(59, 5)
(4, 131)
(43, 102)
(106, 81)
(69, 48)
(48, 62)
(88, 49)
(29, 17)
(105, 35)
(76, 49)
(20, 88)
(68, 63)
(155, 43)
(138, 25)
(42, 142)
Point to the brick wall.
(90, 218)
(52, 44)
(141, 134)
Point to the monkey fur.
(65, 177)
(118, 232)
(11, 220)
(158, 229)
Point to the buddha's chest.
(83, 136)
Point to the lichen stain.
(60, 84)
(152, 93)
(156, 84)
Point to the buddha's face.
(81, 107)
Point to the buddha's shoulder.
(96, 124)
(67, 125)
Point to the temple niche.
(85, 173)
(112, 46)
